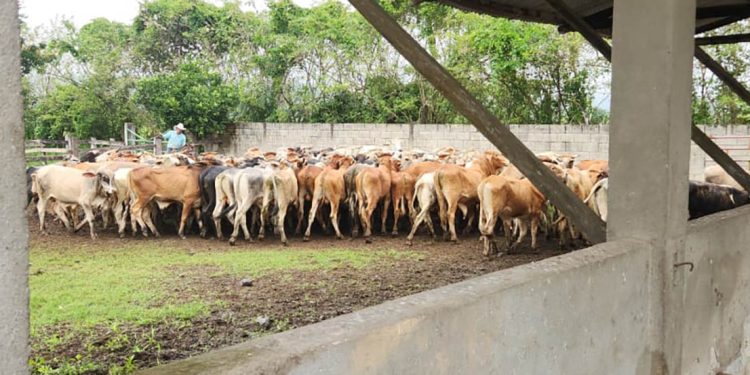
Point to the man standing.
(175, 138)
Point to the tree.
(192, 95)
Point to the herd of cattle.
(368, 185)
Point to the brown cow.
(374, 185)
(509, 199)
(165, 186)
(457, 186)
(329, 187)
(402, 192)
(306, 175)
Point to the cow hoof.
(183, 237)
(305, 238)
(394, 234)
(232, 241)
(368, 240)
(261, 237)
(285, 243)
(409, 243)
(122, 235)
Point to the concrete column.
(650, 151)
(14, 291)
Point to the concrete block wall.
(588, 141)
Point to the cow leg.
(452, 208)
(335, 218)
(300, 213)
(534, 229)
(240, 219)
(199, 216)
(366, 208)
(119, 211)
(470, 213)
(148, 214)
(89, 212)
(264, 214)
(317, 198)
(508, 233)
(216, 216)
(487, 241)
(423, 213)
(386, 208)
(523, 230)
(354, 212)
(186, 209)
(41, 210)
(280, 219)
(60, 212)
(396, 215)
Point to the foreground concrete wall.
(590, 142)
(14, 303)
(716, 323)
(581, 313)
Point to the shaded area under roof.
(710, 14)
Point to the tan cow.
(281, 188)
(69, 186)
(373, 186)
(329, 187)
(580, 183)
(457, 186)
(164, 186)
(715, 174)
(509, 199)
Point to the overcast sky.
(41, 12)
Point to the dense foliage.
(208, 66)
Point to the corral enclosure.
(588, 141)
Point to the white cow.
(424, 193)
(69, 186)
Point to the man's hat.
(180, 126)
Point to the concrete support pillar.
(14, 292)
(652, 64)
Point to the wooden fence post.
(72, 144)
(157, 146)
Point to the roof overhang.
(710, 14)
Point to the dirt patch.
(275, 302)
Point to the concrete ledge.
(716, 321)
(476, 326)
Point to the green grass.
(84, 284)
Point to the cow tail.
(414, 197)
(36, 187)
(441, 201)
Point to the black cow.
(208, 194)
(707, 198)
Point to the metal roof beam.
(722, 39)
(465, 103)
(578, 24)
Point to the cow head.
(104, 184)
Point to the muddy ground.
(288, 299)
